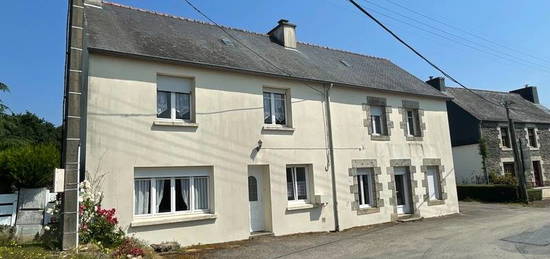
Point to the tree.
(29, 166)
(3, 88)
(27, 128)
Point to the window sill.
(175, 123)
(414, 138)
(307, 206)
(435, 202)
(371, 210)
(159, 220)
(277, 128)
(379, 137)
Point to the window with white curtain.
(171, 195)
(297, 183)
(275, 107)
(174, 98)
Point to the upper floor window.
(297, 183)
(174, 98)
(505, 137)
(365, 187)
(378, 120)
(413, 122)
(275, 107)
(532, 137)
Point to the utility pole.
(518, 160)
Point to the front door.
(257, 216)
(538, 174)
(402, 190)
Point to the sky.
(493, 44)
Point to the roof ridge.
(232, 28)
(481, 90)
(181, 18)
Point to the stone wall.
(497, 154)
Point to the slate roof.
(523, 110)
(125, 30)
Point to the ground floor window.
(171, 195)
(434, 184)
(509, 168)
(366, 186)
(297, 183)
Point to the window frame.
(371, 185)
(173, 106)
(286, 100)
(152, 199)
(415, 123)
(513, 168)
(508, 138)
(530, 143)
(296, 200)
(437, 183)
(383, 121)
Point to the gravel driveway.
(479, 231)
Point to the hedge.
(494, 193)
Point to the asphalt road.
(479, 231)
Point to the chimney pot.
(284, 33)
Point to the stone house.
(476, 124)
(205, 137)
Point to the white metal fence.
(8, 208)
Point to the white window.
(297, 184)
(171, 195)
(275, 107)
(434, 187)
(365, 186)
(378, 120)
(413, 123)
(174, 98)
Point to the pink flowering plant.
(97, 225)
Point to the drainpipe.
(331, 151)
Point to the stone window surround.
(542, 172)
(505, 160)
(378, 101)
(413, 185)
(503, 125)
(440, 168)
(408, 104)
(366, 163)
(531, 126)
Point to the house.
(477, 124)
(202, 136)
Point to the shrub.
(97, 225)
(534, 194)
(130, 247)
(51, 238)
(30, 166)
(487, 192)
(508, 179)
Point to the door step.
(409, 218)
(257, 234)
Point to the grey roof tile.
(120, 29)
(522, 110)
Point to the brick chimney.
(284, 33)
(528, 93)
(437, 82)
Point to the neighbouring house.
(201, 139)
(476, 124)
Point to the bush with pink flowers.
(97, 225)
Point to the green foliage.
(483, 152)
(509, 179)
(27, 128)
(487, 192)
(29, 166)
(3, 88)
(534, 194)
(130, 247)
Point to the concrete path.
(479, 231)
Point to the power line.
(500, 52)
(415, 51)
(468, 32)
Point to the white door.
(256, 201)
(402, 190)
